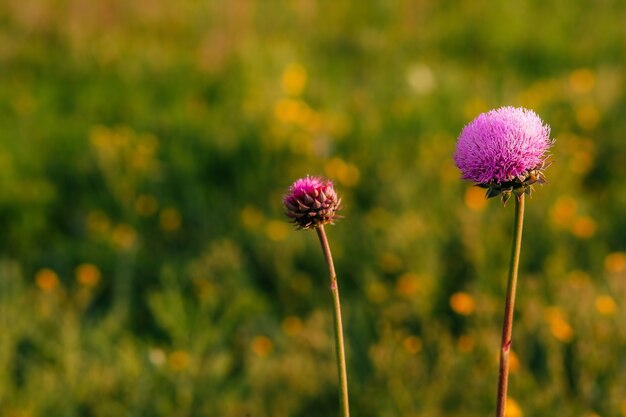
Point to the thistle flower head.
(311, 202)
(503, 150)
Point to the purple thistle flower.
(311, 202)
(504, 150)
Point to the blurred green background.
(146, 267)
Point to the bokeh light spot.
(465, 343)
(559, 327)
(262, 346)
(407, 285)
(98, 222)
(605, 305)
(583, 227)
(146, 205)
(294, 79)
(377, 292)
(389, 262)
(292, 325)
(615, 262)
(421, 78)
(462, 303)
(513, 409)
(582, 80)
(87, 275)
(347, 174)
(475, 199)
(412, 344)
(124, 236)
(178, 360)
(277, 230)
(157, 357)
(293, 111)
(587, 116)
(251, 217)
(170, 219)
(582, 161)
(46, 279)
(563, 211)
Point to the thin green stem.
(507, 326)
(339, 345)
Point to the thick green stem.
(339, 345)
(507, 326)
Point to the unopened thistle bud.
(311, 202)
(503, 151)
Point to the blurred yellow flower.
(559, 327)
(124, 236)
(475, 199)
(377, 292)
(262, 346)
(87, 275)
(462, 303)
(170, 219)
(16, 412)
(582, 80)
(563, 211)
(582, 161)
(100, 137)
(583, 227)
(421, 78)
(412, 344)
(292, 325)
(606, 305)
(587, 116)
(389, 262)
(579, 278)
(46, 279)
(293, 111)
(294, 79)
(347, 174)
(407, 284)
(98, 222)
(157, 356)
(466, 343)
(251, 217)
(146, 205)
(277, 230)
(615, 262)
(178, 360)
(541, 92)
(512, 408)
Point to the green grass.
(146, 267)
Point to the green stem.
(339, 345)
(507, 326)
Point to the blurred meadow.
(146, 266)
